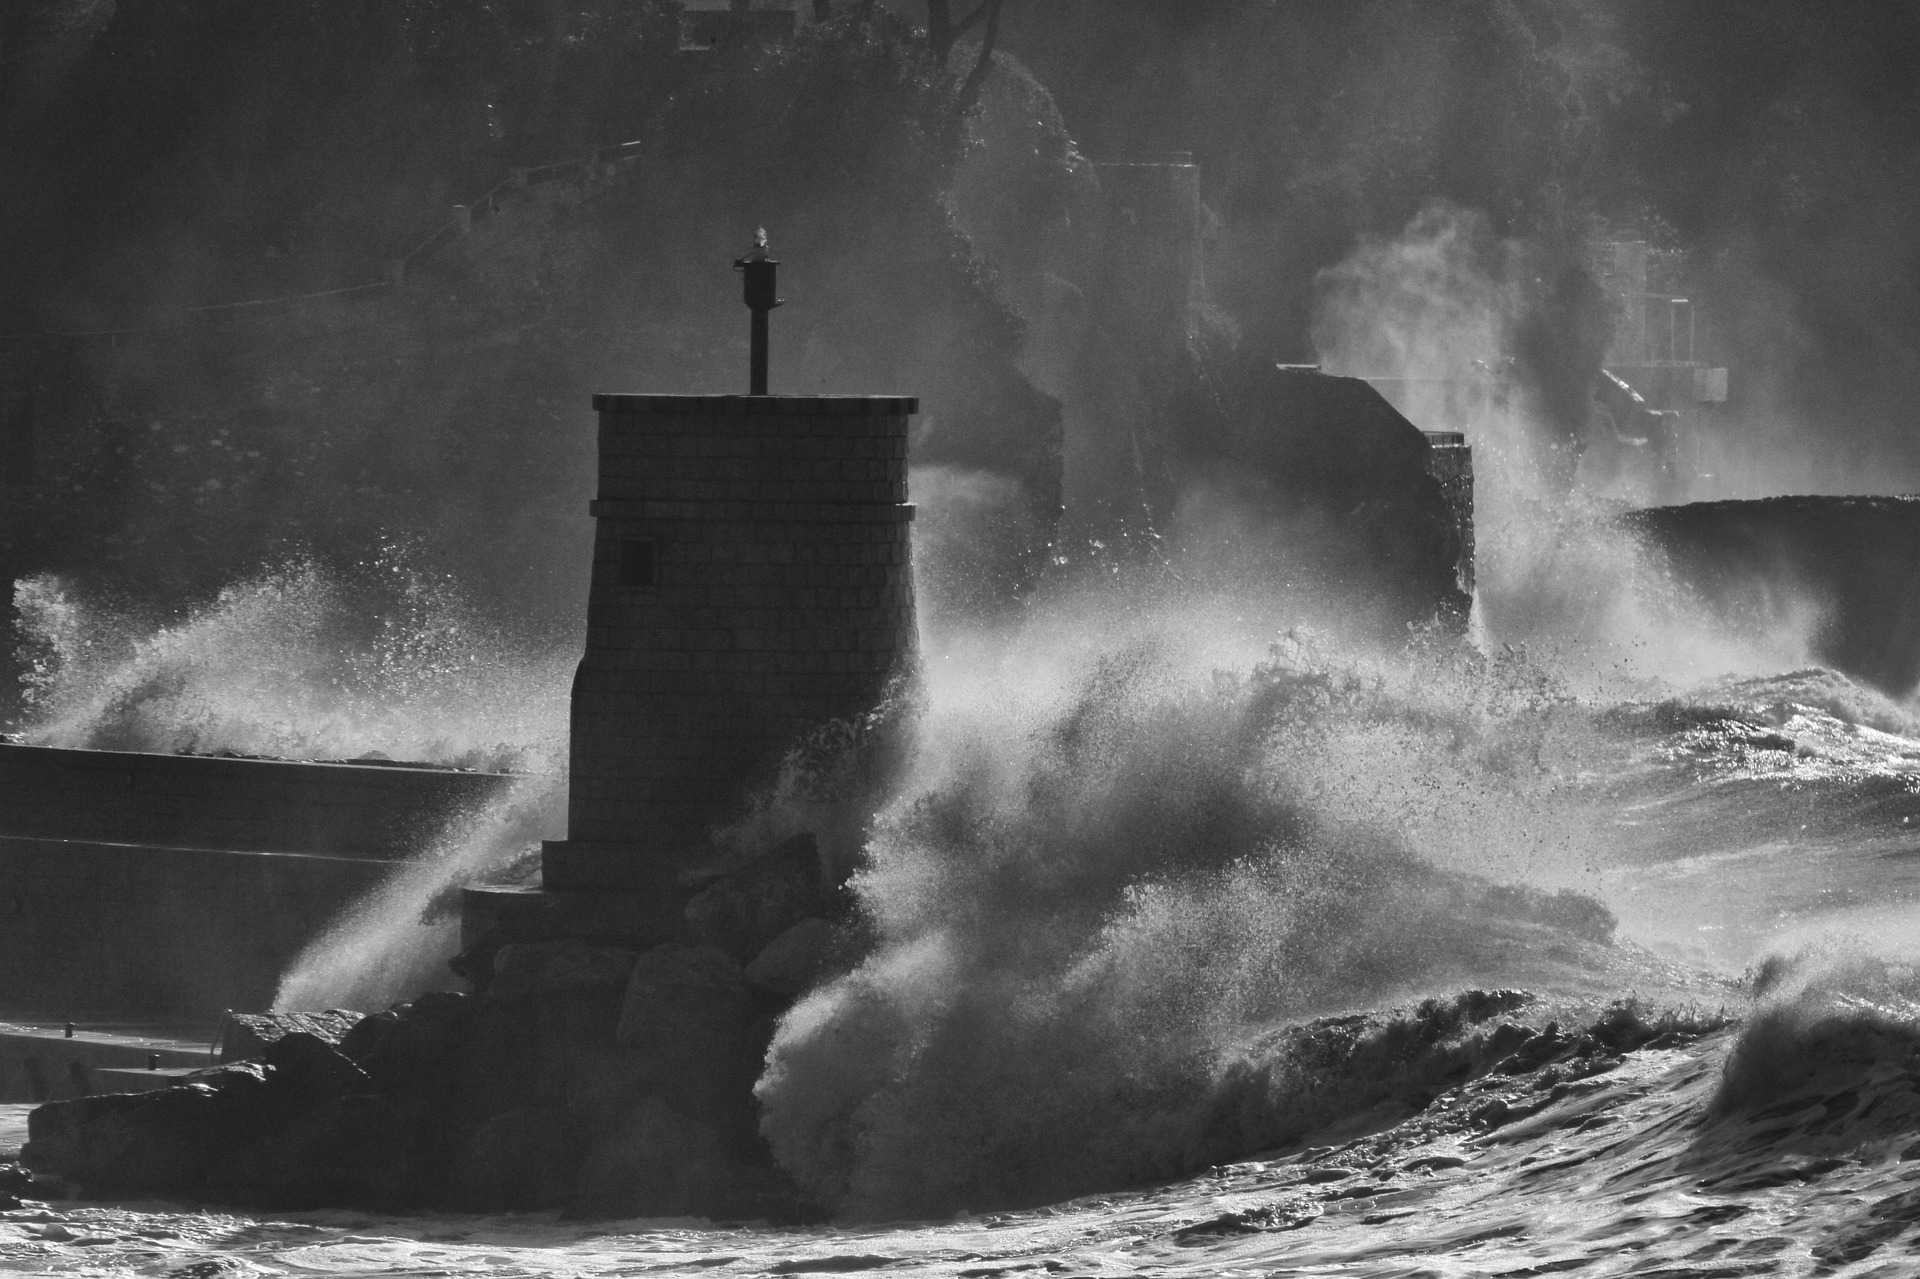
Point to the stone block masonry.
(752, 581)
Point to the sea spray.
(1109, 860)
(375, 660)
(1440, 308)
(396, 942)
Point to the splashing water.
(380, 662)
(1110, 862)
(1132, 839)
(299, 662)
(1438, 307)
(396, 942)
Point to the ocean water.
(1203, 938)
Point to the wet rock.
(307, 1069)
(654, 1161)
(521, 1160)
(743, 910)
(149, 1144)
(196, 1137)
(404, 1049)
(18, 1183)
(558, 967)
(568, 994)
(689, 1017)
(246, 1036)
(498, 1058)
(791, 962)
(349, 1151)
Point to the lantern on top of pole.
(758, 290)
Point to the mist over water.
(1439, 308)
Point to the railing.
(597, 164)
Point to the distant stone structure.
(1351, 498)
(1762, 565)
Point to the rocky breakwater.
(604, 1080)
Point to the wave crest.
(1088, 894)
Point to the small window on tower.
(637, 564)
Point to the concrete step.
(38, 1062)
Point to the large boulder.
(527, 969)
(355, 1149)
(520, 1160)
(746, 907)
(656, 1162)
(793, 961)
(132, 1144)
(307, 1070)
(690, 1022)
(653, 1162)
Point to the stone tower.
(752, 580)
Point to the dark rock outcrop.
(601, 1079)
(595, 1079)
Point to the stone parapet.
(382, 811)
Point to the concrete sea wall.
(1857, 559)
(180, 886)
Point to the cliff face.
(1855, 558)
